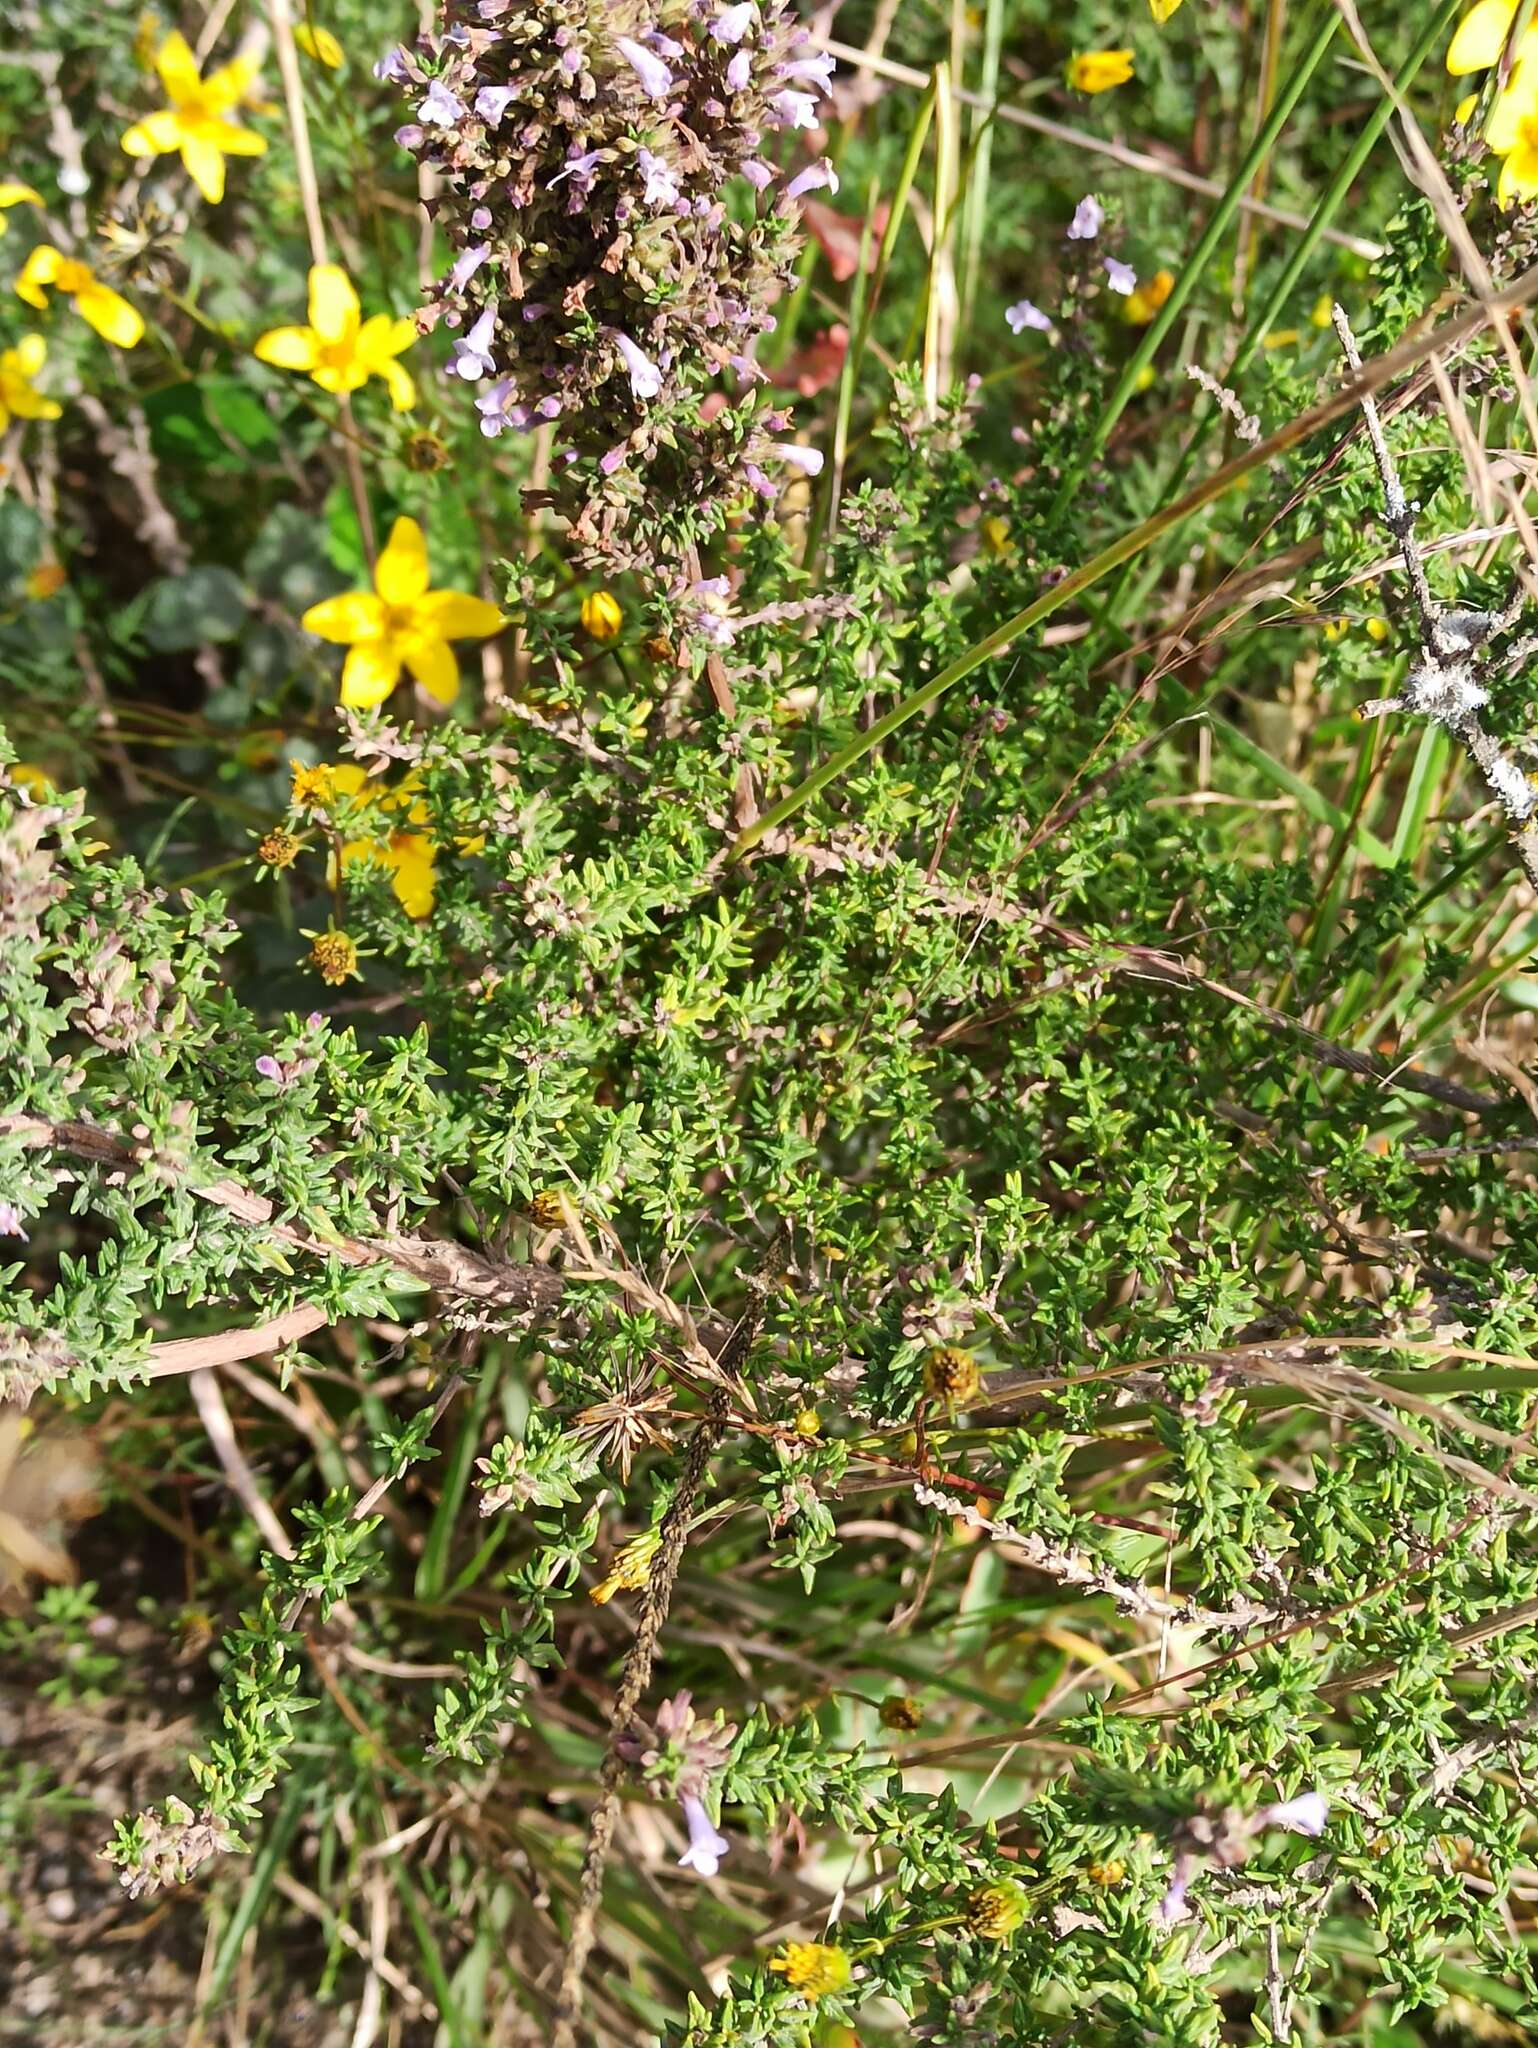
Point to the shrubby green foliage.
(985, 1301)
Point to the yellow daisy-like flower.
(197, 121)
(333, 956)
(1512, 132)
(339, 349)
(401, 624)
(311, 788)
(96, 303)
(816, 1969)
(410, 854)
(1099, 70)
(14, 194)
(320, 44)
(1145, 299)
(1481, 37)
(601, 615)
(18, 368)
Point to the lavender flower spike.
(654, 75)
(645, 377)
(472, 358)
(706, 1846)
(1023, 314)
(1088, 220)
(817, 177)
(1305, 1815)
(733, 23)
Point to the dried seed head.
(951, 1376)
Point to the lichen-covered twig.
(1448, 683)
(636, 1675)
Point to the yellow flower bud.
(601, 615)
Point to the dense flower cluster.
(621, 237)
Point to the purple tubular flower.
(410, 136)
(1305, 1815)
(661, 185)
(613, 458)
(817, 177)
(472, 359)
(733, 23)
(645, 377)
(499, 408)
(818, 69)
(581, 169)
(739, 73)
(268, 1068)
(493, 101)
(758, 480)
(440, 109)
(711, 586)
(757, 172)
(794, 110)
(1121, 277)
(466, 264)
(10, 1226)
(655, 77)
(807, 460)
(1023, 314)
(392, 66)
(1088, 220)
(706, 1846)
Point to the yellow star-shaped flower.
(112, 317)
(401, 624)
(197, 121)
(18, 367)
(1512, 132)
(339, 349)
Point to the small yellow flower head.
(815, 1969)
(1334, 629)
(601, 615)
(313, 788)
(1106, 1874)
(1099, 70)
(401, 624)
(994, 1911)
(333, 956)
(97, 304)
(35, 781)
(995, 535)
(548, 1209)
(279, 849)
(1145, 299)
(630, 1570)
(46, 580)
(1377, 629)
(951, 1376)
(197, 122)
(340, 350)
(902, 1714)
(1321, 314)
(1161, 10)
(319, 44)
(807, 1422)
